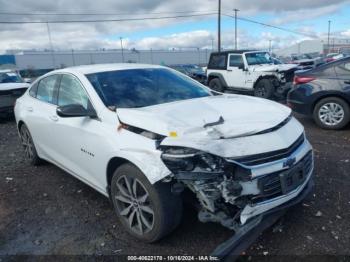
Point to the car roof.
(98, 68)
(236, 51)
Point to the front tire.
(331, 113)
(264, 89)
(147, 212)
(29, 148)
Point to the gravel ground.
(45, 211)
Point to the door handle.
(54, 118)
(347, 82)
(229, 70)
(30, 109)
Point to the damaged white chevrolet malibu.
(146, 136)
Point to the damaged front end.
(232, 191)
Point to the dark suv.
(324, 93)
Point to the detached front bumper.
(253, 210)
(243, 238)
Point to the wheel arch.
(327, 95)
(112, 165)
(212, 76)
(20, 124)
(268, 77)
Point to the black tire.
(166, 207)
(29, 147)
(264, 89)
(325, 103)
(215, 84)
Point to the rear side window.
(218, 61)
(47, 89)
(236, 60)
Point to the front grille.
(289, 75)
(270, 185)
(270, 156)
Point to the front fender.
(148, 161)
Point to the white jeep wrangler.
(252, 71)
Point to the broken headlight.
(180, 159)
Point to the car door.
(40, 114)
(235, 74)
(343, 74)
(78, 140)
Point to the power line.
(190, 14)
(102, 13)
(105, 20)
(272, 26)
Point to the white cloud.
(299, 15)
(105, 35)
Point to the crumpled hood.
(12, 86)
(242, 115)
(273, 68)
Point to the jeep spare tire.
(215, 84)
(264, 89)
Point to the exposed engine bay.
(224, 187)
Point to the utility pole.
(212, 44)
(121, 46)
(51, 46)
(219, 27)
(329, 33)
(236, 44)
(73, 59)
(270, 46)
(152, 56)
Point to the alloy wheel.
(27, 143)
(331, 114)
(133, 204)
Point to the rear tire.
(331, 113)
(215, 84)
(147, 212)
(29, 147)
(264, 89)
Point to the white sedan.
(142, 135)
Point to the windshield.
(258, 58)
(10, 77)
(144, 87)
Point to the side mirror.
(75, 110)
(242, 67)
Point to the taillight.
(302, 79)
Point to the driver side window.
(236, 61)
(71, 92)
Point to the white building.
(59, 59)
(320, 46)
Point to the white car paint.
(84, 146)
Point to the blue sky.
(340, 22)
(315, 25)
(307, 16)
